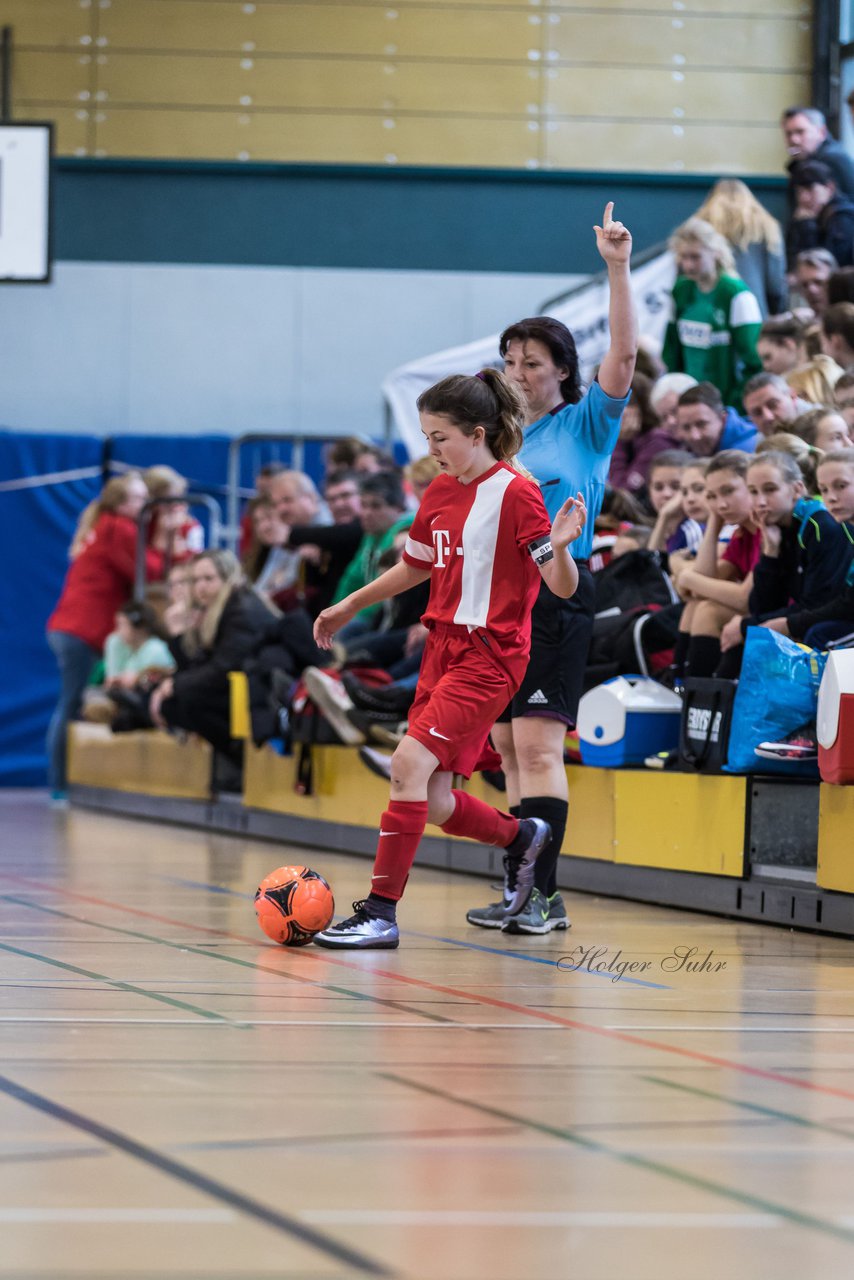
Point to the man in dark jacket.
(807, 138)
(822, 218)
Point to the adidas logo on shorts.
(537, 699)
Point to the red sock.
(401, 828)
(479, 821)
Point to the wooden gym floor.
(179, 1097)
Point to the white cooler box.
(627, 719)
(835, 719)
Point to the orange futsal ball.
(293, 904)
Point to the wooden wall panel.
(312, 84)
(52, 24)
(696, 87)
(62, 77)
(700, 41)
(343, 139)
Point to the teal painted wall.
(359, 217)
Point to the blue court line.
(451, 942)
(192, 1178)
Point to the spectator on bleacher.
(298, 504)
(171, 524)
(805, 553)
(420, 474)
(268, 567)
(715, 320)
(808, 139)
(822, 218)
(790, 346)
(813, 269)
(641, 438)
(837, 334)
(230, 622)
(834, 620)
(843, 399)
(179, 613)
(705, 425)
(384, 514)
(326, 550)
(771, 404)
(372, 459)
(717, 584)
(134, 653)
(840, 286)
(664, 397)
(262, 490)
(99, 580)
(806, 456)
(755, 237)
(674, 528)
(136, 647)
(824, 429)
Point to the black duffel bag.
(704, 728)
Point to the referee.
(569, 439)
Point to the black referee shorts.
(560, 639)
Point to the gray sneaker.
(361, 930)
(534, 835)
(491, 917)
(533, 918)
(558, 919)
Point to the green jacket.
(362, 569)
(712, 336)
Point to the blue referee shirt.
(569, 451)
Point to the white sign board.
(25, 202)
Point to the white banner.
(585, 313)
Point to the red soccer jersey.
(477, 540)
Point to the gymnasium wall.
(433, 169)
(673, 86)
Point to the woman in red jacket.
(99, 581)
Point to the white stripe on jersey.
(480, 536)
(420, 551)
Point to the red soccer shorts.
(462, 689)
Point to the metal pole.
(6, 75)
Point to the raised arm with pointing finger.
(614, 242)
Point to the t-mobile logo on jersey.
(442, 543)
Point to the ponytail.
(111, 496)
(487, 400)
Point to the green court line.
(216, 955)
(123, 986)
(771, 1112)
(675, 1174)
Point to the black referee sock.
(554, 812)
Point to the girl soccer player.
(483, 538)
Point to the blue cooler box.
(627, 719)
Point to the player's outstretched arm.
(561, 572)
(614, 242)
(399, 578)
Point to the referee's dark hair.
(560, 344)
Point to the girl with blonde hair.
(230, 620)
(756, 239)
(715, 321)
(99, 581)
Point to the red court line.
(541, 1014)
